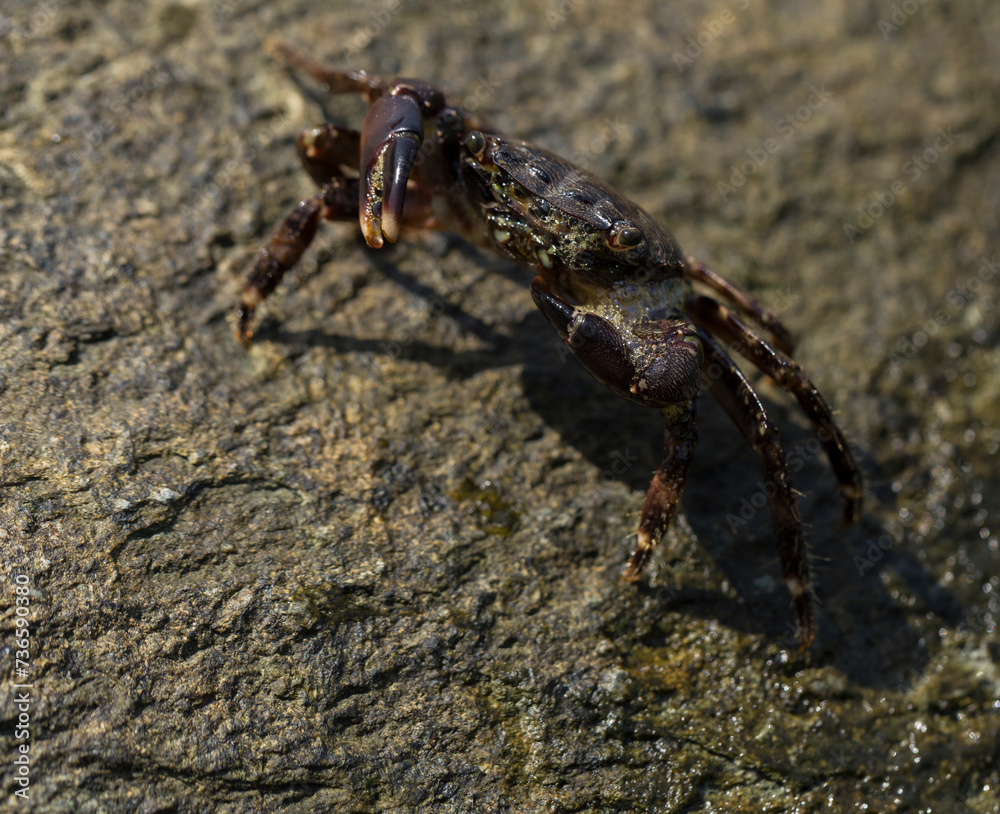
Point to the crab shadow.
(862, 631)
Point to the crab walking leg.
(746, 302)
(787, 373)
(679, 437)
(326, 149)
(279, 255)
(731, 389)
(338, 201)
(370, 87)
(323, 150)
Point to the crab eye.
(625, 236)
(476, 142)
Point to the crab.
(625, 300)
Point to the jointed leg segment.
(788, 375)
(281, 253)
(679, 437)
(731, 389)
(370, 87)
(743, 300)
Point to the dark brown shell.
(580, 194)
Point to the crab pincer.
(391, 135)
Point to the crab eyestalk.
(390, 138)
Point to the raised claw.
(661, 367)
(391, 135)
(594, 341)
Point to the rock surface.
(372, 564)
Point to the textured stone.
(372, 564)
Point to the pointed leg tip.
(631, 573)
(275, 47)
(804, 628)
(640, 558)
(850, 512)
(636, 565)
(244, 316)
(802, 604)
(244, 335)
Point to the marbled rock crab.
(612, 282)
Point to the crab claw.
(662, 367)
(391, 135)
(591, 338)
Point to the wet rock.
(372, 563)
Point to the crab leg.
(679, 437)
(789, 376)
(370, 87)
(731, 389)
(743, 300)
(287, 245)
(281, 253)
(325, 150)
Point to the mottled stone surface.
(372, 564)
